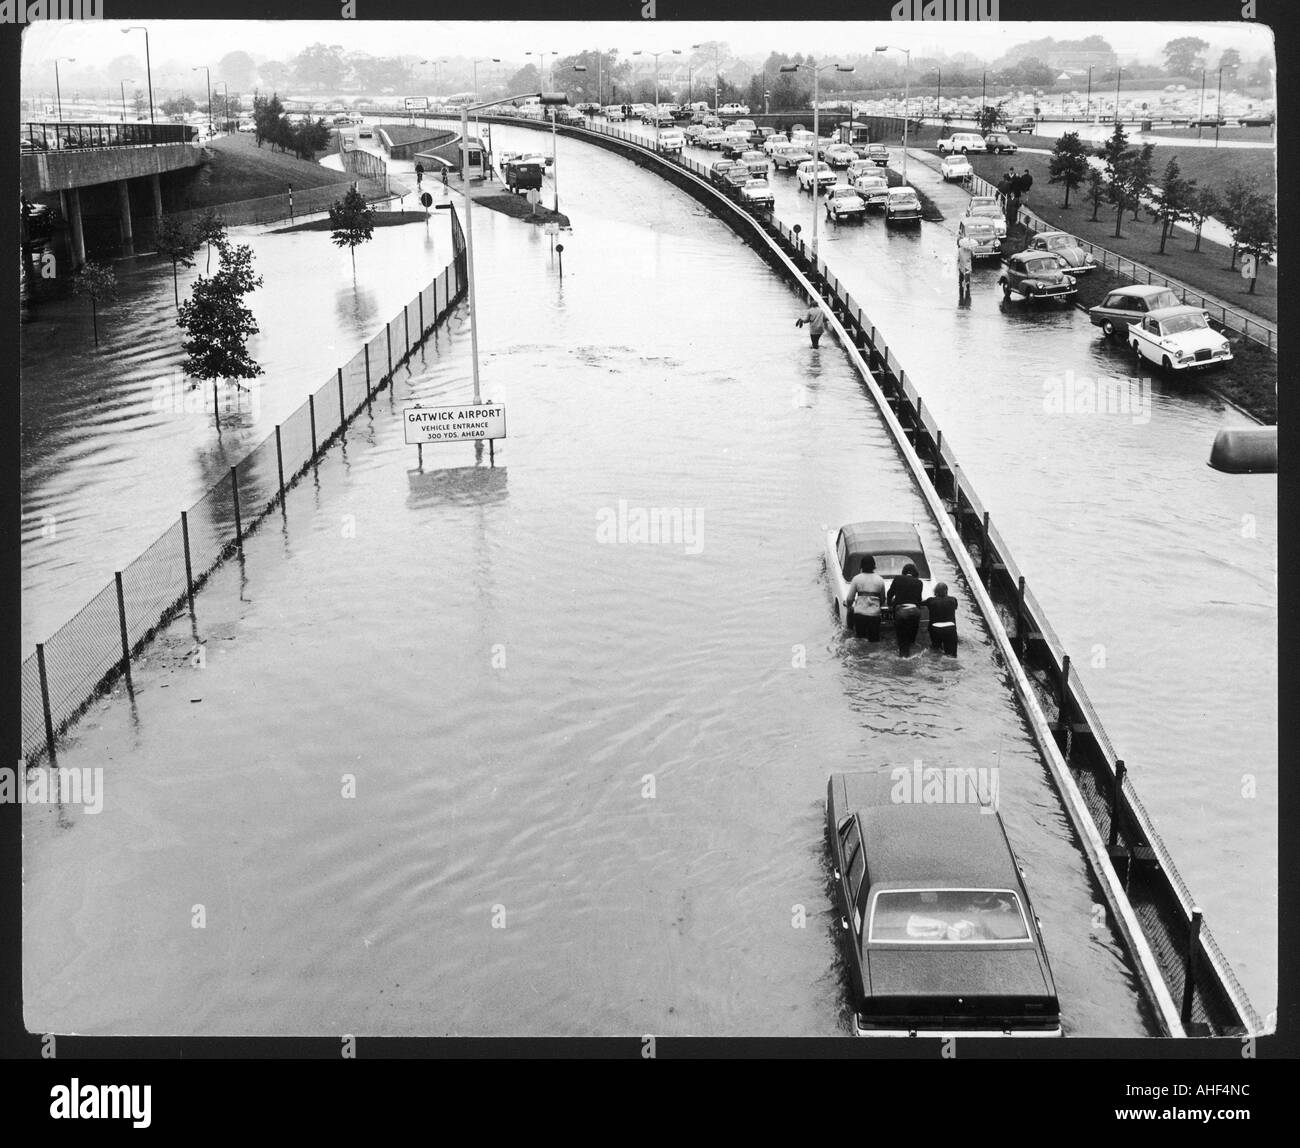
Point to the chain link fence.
(89, 651)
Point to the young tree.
(181, 106)
(1174, 203)
(98, 283)
(268, 114)
(991, 116)
(1256, 234)
(353, 222)
(177, 242)
(218, 322)
(1069, 163)
(1238, 195)
(1139, 174)
(1096, 190)
(1118, 158)
(1204, 203)
(210, 229)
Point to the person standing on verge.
(904, 598)
(816, 320)
(964, 261)
(866, 594)
(943, 620)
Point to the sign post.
(455, 422)
(559, 250)
(426, 200)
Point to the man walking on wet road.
(964, 261)
(816, 320)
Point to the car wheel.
(1165, 363)
(963, 151)
(1006, 289)
(1108, 328)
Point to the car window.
(947, 916)
(1183, 323)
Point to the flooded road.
(465, 756)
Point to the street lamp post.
(225, 103)
(656, 55)
(984, 85)
(938, 96)
(148, 68)
(1087, 111)
(208, 73)
(907, 79)
(717, 73)
(495, 60)
(58, 94)
(1118, 73)
(1218, 105)
(816, 70)
(122, 84)
(469, 218)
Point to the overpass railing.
(47, 136)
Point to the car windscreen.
(1041, 266)
(947, 916)
(890, 565)
(1180, 324)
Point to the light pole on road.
(122, 85)
(148, 68)
(207, 71)
(656, 55)
(816, 70)
(58, 94)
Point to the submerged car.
(892, 544)
(902, 206)
(842, 202)
(935, 923)
(1132, 304)
(1067, 247)
(1036, 275)
(1179, 339)
(955, 167)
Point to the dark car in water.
(935, 923)
(1036, 275)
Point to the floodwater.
(455, 749)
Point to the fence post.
(1063, 717)
(420, 297)
(239, 526)
(279, 461)
(1115, 792)
(435, 301)
(1020, 615)
(45, 700)
(189, 569)
(343, 420)
(311, 410)
(366, 348)
(406, 325)
(121, 621)
(388, 333)
(1189, 968)
(984, 548)
(216, 414)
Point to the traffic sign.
(1248, 267)
(534, 196)
(551, 228)
(454, 423)
(417, 102)
(426, 200)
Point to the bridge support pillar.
(156, 184)
(124, 201)
(74, 218)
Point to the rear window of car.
(947, 916)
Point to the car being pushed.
(1127, 305)
(935, 923)
(1179, 339)
(902, 206)
(757, 192)
(892, 544)
(1036, 275)
(1067, 247)
(874, 190)
(955, 167)
(842, 202)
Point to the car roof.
(1026, 256)
(1139, 290)
(961, 843)
(881, 536)
(1171, 312)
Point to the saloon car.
(860, 167)
(892, 544)
(1000, 143)
(983, 236)
(790, 157)
(614, 113)
(1021, 124)
(758, 193)
(1179, 339)
(986, 207)
(938, 934)
(757, 163)
(842, 202)
(955, 167)
(718, 171)
(840, 155)
(874, 190)
(671, 141)
(1036, 275)
(902, 206)
(878, 154)
(1067, 247)
(733, 110)
(814, 171)
(1127, 305)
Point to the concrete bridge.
(69, 158)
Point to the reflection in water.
(357, 308)
(456, 486)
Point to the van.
(962, 142)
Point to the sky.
(204, 42)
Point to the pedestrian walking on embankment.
(815, 318)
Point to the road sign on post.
(454, 423)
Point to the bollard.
(189, 569)
(121, 621)
(311, 410)
(1189, 968)
(45, 700)
(1115, 795)
(279, 462)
